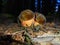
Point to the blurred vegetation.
(6, 15)
(4, 2)
(53, 17)
(6, 18)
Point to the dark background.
(10, 9)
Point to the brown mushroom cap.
(26, 15)
(40, 18)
